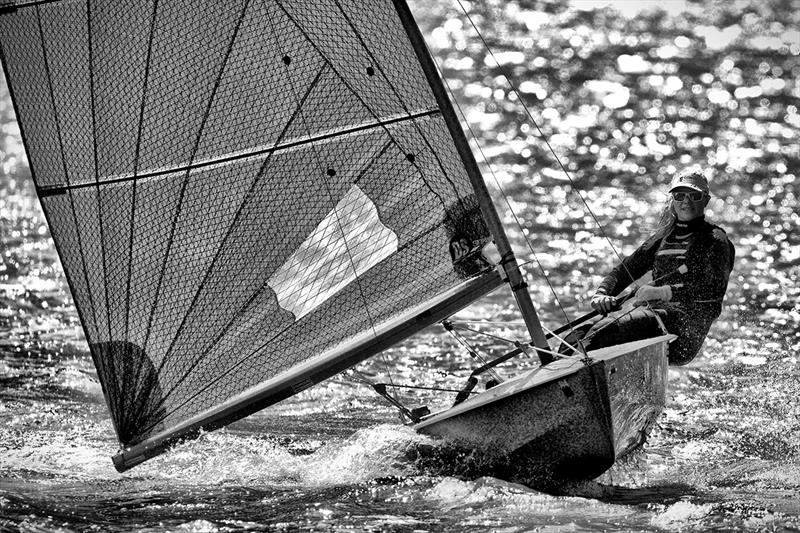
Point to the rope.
(580, 348)
(617, 319)
(420, 387)
(490, 335)
(492, 323)
(469, 348)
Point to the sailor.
(690, 259)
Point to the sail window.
(348, 242)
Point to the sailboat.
(249, 197)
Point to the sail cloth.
(235, 189)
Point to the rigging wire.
(550, 148)
(486, 334)
(504, 195)
(420, 387)
(470, 350)
(541, 133)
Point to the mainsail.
(246, 196)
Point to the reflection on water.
(623, 101)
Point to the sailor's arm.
(632, 268)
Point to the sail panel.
(67, 61)
(287, 194)
(191, 45)
(20, 39)
(120, 62)
(65, 231)
(349, 241)
(239, 131)
(155, 207)
(255, 255)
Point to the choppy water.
(621, 99)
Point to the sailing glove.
(604, 303)
(649, 293)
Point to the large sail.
(246, 196)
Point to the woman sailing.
(691, 260)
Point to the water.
(622, 99)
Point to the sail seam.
(185, 183)
(53, 190)
(93, 108)
(137, 155)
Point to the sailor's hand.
(604, 303)
(649, 293)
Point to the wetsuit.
(696, 295)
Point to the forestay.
(246, 197)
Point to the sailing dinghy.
(249, 197)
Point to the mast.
(508, 261)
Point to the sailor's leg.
(617, 328)
(691, 331)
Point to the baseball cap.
(692, 179)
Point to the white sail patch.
(348, 242)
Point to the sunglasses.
(693, 196)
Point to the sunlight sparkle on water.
(720, 92)
(681, 514)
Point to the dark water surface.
(624, 99)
